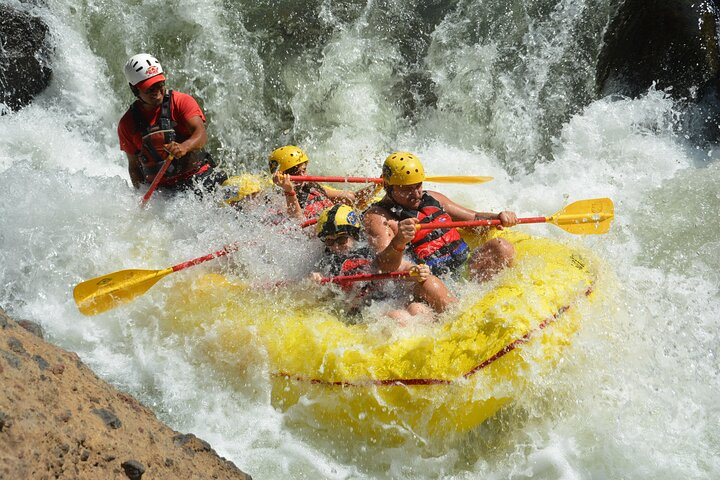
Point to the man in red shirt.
(161, 123)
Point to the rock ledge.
(59, 420)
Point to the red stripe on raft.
(435, 381)
(524, 339)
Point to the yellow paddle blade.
(100, 294)
(585, 217)
(459, 179)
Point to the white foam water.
(636, 394)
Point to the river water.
(483, 87)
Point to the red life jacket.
(443, 250)
(152, 155)
(313, 200)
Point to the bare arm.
(197, 140)
(293, 205)
(460, 213)
(339, 196)
(135, 170)
(358, 200)
(388, 238)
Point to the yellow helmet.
(402, 168)
(337, 220)
(285, 158)
(240, 186)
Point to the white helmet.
(141, 67)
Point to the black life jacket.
(351, 263)
(354, 262)
(313, 200)
(153, 155)
(443, 250)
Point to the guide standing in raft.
(161, 123)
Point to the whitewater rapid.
(636, 395)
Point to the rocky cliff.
(59, 420)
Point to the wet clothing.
(357, 261)
(313, 199)
(354, 262)
(144, 133)
(443, 250)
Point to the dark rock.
(192, 443)
(16, 346)
(673, 45)
(133, 469)
(64, 416)
(4, 323)
(61, 450)
(4, 421)
(24, 57)
(110, 419)
(32, 327)
(41, 362)
(11, 359)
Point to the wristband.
(291, 193)
(399, 250)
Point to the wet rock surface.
(672, 45)
(24, 57)
(59, 420)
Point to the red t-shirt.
(183, 108)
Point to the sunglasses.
(155, 88)
(337, 240)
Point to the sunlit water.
(478, 87)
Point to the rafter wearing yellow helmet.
(403, 168)
(243, 187)
(339, 228)
(391, 225)
(306, 200)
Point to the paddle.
(584, 217)
(100, 294)
(307, 223)
(366, 277)
(342, 279)
(443, 179)
(156, 180)
(104, 293)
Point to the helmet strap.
(136, 92)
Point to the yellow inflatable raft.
(445, 379)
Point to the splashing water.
(473, 87)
